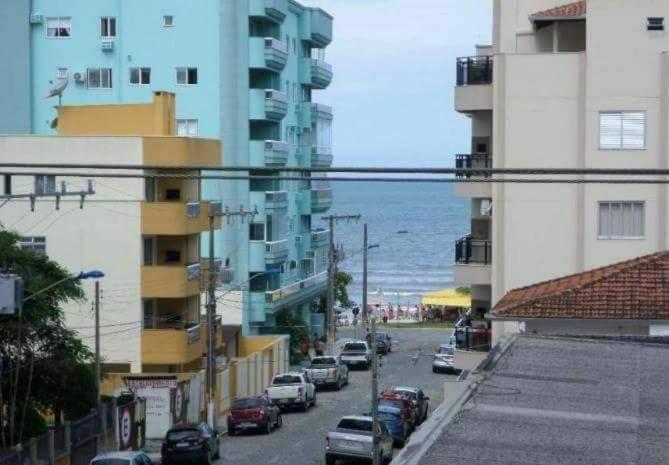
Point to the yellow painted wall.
(156, 118)
(251, 344)
(181, 151)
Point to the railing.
(193, 209)
(319, 236)
(474, 70)
(193, 271)
(321, 150)
(321, 194)
(276, 197)
(475, 251)
(276, 44)
(193, 334)
(276, 146)
(476, 161)
(276, 247)
(277, 295)
(271, 94)
(321, 108)
(321, 64)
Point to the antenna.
(58, 89)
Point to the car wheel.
(434, 369)
(304, 407)
(207, 457)
(339, 384)
(279, 421)
(267, 428)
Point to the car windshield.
(355, 346)
(110, 461)
(178, 435)
(388, 416)
(392, 403)
(242, 404)
(324, 361)
(446, 350)
(352, 423)
(287, 379)
(410, 394)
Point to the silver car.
(443, 361)
(352, 440)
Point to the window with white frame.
(187, 127)
(107, 27)
(168, 20)
(59, 27)
(187, 76)
(140, 76)
(35, 244)
(622, 130)
(62, 73)
(99, 78)
(45, 184)
(621, 220)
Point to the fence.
(78, 442)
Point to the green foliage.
(295, 326)
(464, 290)
(62, 381)
(342, 281)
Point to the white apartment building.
(581, 85)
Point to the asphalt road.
(301, 440)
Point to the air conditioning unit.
(36, 19)
(79, 77)
(107, 45)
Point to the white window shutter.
(633, 130)
(610, 125)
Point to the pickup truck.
(292, 390)
(356, 353)
(327, 371)
(352, 440)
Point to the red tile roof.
(575, 10)
(633, 289)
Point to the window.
(140, 76)
(256, 232)
(62, 73)
(168, 21)
(294, 46)
(45, 185)
(187, 76)
(99, 78)
(107, 27)
(655, 24)
(59, 27)
(621, 220)
(187, 127)
(36, 245)
(150, 189)
(622, 130)
(149, 313)
(148, 246)
(7, 189)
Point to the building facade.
(243, 71)
(143, 234)
(582, 85)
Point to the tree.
(45, 367)
(464, 290)
(342, 281)
(295, 326)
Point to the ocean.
(414, 225)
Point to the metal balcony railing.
(474, 70)
(193, 209)
(472, 162)
(193, 271)
(473, 251)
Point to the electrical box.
(11, 294)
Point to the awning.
(447, 298)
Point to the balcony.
(473, 259)
(267, 53)
(173, 346)
(267, 104)
(170, 281)
(276, 200)
(473, 91)
(176, 218)
(473, 189)
(276, 251)
(274, 10)
(319, 238)
(317, 27)
(321, 200)
(316, 73)
(310, 112)
(295, 293)
(269, 153)
(321, 156)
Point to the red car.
(257, 413)
(393, 399)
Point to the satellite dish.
(58, 89)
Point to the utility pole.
(333, 258)
(364, 274)
(215, 211)
(375, 397)
(33, 196)
(97, 341)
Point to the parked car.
(352, 440)
(122, 458)
(357, 353)
(397, 423)
(384, 343)
(419, 399)
(190, 443)
(327, 371)
(444, 360)
(292, 390)
(257, 413)
(403, 402)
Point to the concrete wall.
(586, 328)
(15, 67)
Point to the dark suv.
(384, 343)
(190, 443)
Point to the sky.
(394, 73)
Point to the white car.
(122, 458)
(356, 353)
(292, 389)
(443, 360)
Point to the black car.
(384, 343)
(190, 443)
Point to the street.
(301, 439)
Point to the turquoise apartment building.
(243, 71)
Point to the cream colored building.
(582, 85)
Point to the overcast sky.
(394, 72)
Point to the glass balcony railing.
(476, 70)
(473, 162)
